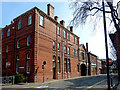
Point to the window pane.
(8, 33)
(74, 52)
(58, 30)
(28, 40)
(19, 24)
(29, 19)
(6, 63)
(64, 34)
(58, 46)
(83, 55)
(41, 21)
(58, 65)
(76, 41)
(68, 36)
(7, 48)
(2, 35)
(68, 65)
(65, 64)
(28, 63)
(65, 49)
(18, 44)
(53, 61)
(68, 50)
(53, 45)
(17, 64)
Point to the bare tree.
(89, 8)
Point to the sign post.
(111, 78)
(8, 64)
(43, 72)
(43, 66)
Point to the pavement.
(118, 87)
(45, 84)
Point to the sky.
(87, 33)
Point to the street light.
(107, 60)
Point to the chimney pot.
(62, 22)
(87, 47)
(71, 29)
(50, 10)
(56, 18)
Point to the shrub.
(19, 78)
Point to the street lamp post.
(107, 60)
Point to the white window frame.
(74, 39)
(28, 40)
(41, 20)
(18, 43)
(68, 64)
(58, 46)
(58, 65)
(29, 19)
(28, 64)
(68, 50)
(53, 61)
(65, 49)
(68, 36)
(53, 45)
(17, 64)
(58, 30)
(64, 34)
(6, 63)
(74, 52)
(19, 24)
(65, 65)
(8, 33)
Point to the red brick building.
(92, 64)
(83, 60)
(35, 37)
(115, 38)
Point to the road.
(85, 83)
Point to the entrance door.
(83, 70)
(53, 67)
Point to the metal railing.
(7, 79)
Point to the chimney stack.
(62, 22)
(50, 10)
(56, 18)
(87, 47)
(71, 29)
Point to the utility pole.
(107, 60)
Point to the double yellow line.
(95, 84)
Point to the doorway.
(83, 70)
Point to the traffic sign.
(43, 66)
(110, 61)
(44, 62)
(8, 64)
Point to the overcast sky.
(94, 37)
